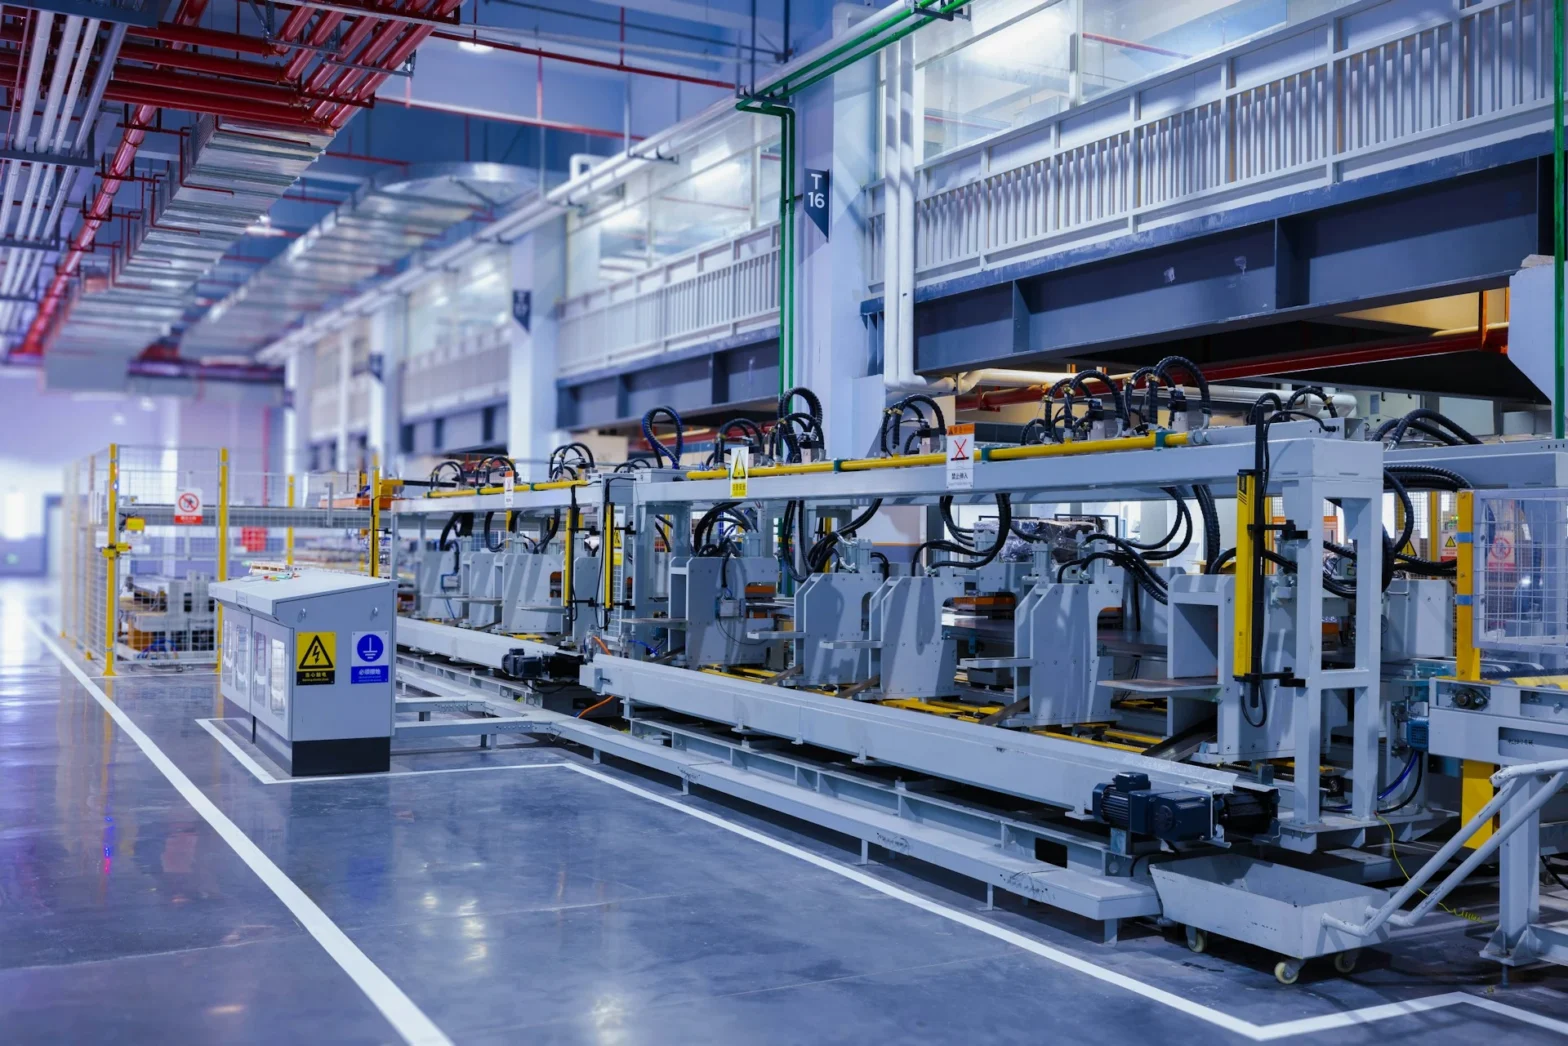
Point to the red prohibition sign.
(189, 503)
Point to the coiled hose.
(660, 450)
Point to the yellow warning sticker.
(316, 658)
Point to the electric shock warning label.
(316, 658)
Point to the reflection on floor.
(545, 906)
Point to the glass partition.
(724, 186)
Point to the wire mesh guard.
(1521, 571)
(151, 528)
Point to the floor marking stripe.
(1241, 1026)
(409, 1021)
(266, 777)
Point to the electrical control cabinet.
(307, 657)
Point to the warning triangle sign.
(315, 664)
(1450, 543)
(316, 655)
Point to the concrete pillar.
(298, 382)
(538, 282)
(838, 133)
(388, 335)
(341, 459)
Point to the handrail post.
(111, 554)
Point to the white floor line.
(406, 1018)
(266, 777)
(1255, 1032)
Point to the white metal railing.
(1370, 87)
(720, 290)
(323, 412)
(472, 370)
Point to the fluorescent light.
(475, 47)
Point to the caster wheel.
(1345, 962)
(1197, 940)
(1287, 972)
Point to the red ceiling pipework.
(353, 83)
(215, 65)
(1495, 340)
(165, 97)
(217, 39)
(94, 216)
(556, 56)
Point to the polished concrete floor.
(541, 905)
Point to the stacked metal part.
(379, 226)
(48, 180)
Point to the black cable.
(1207, 508)
(489, 547)
(1300, 396)
(460, 477)
(660, 450)
(1004, 511)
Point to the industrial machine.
(307, 659)
(1219, 717)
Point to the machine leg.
(484, 740)
(1111, 928)
(865, 852)
(990, 898)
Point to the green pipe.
(908, 29)
(771, 104)
(1558, 220)
(786, 274)
(782, 87)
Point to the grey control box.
(308, 656)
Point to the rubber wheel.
(1287, 973)
(1197, 940)
(1345, 962)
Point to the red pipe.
(556, 56)
(362, 158)
(234, 107)
(203, 63)
(160, 80)
(214, 38)
(1133, 45)
(376, 53)
(93, 217)
(399, 54)
(318, 36)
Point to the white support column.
(388, 333)
(539, 272)
(340, 453)
(299, 382)
(838, 133)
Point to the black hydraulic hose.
(1422, 414)
(1004, 521)
(1117, 403)
(1037, 431)
(1164, 368)
(1183, 518)
(965, 535)
(817, 558)
(660, 450)
(1300, 396)
(887, 568)
(788, 546)
(813, 404)
(1427, 477)
(460, 477)
(1149, 413)
(489, 547)
(1211, 520)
